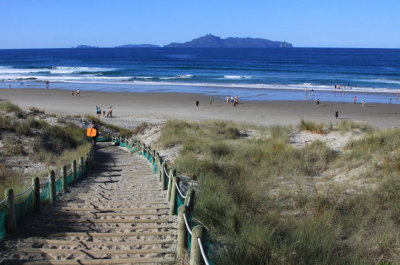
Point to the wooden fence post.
(36, 195)
(81, 166)
(172, 202)
(64, 180)
(52, 186)
(163, 181)
(170, 182)
(195, 253)
(87, 164)
(11, 219)
(73, 171)
(182, 234)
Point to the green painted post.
(64, 181)
(52, 183)
(172, 202)
(36, 195)
(11, 219)
(73, 166)
(195, 253)
(170, 182)
(182, 234)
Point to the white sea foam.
(382, 80)
(53, 70)
(237, 76)
(71, 70)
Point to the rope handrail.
(179, 191)
(4, 200)
(166, 173)
(25, 191)
(44, 183)
(202, 251)
(187, 224)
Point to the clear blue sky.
(105, 23)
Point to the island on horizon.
(211, 41)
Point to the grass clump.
(311, 126)
(10, 107)
(258, 195)
(141, 128)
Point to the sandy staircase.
(116, 215)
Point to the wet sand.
(162, 106)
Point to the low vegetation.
(267, 202)
(27, 140)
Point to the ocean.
(251, 74)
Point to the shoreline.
(268, 93)
(130, 108)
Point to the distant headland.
(211, 41)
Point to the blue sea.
(251, 74)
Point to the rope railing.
(4, 201)
(187, 224)
(166, 173)
(179, 191)
(174, 195)
(25, 191)
(203, 254)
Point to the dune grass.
(38, 141)
(258, 195)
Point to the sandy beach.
(133, 108)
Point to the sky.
(106, 23)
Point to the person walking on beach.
(227, 99)
(363, 103)
(109, 114)
(210, 100)
(355, 99)
(336, 114)
(197, 103)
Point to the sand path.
(116, 215)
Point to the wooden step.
(109, 214)
(96, 234)
(94, 261)
(91, 243)
(114, 221)
(96, 252)
(112, 209)
(91, 227)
